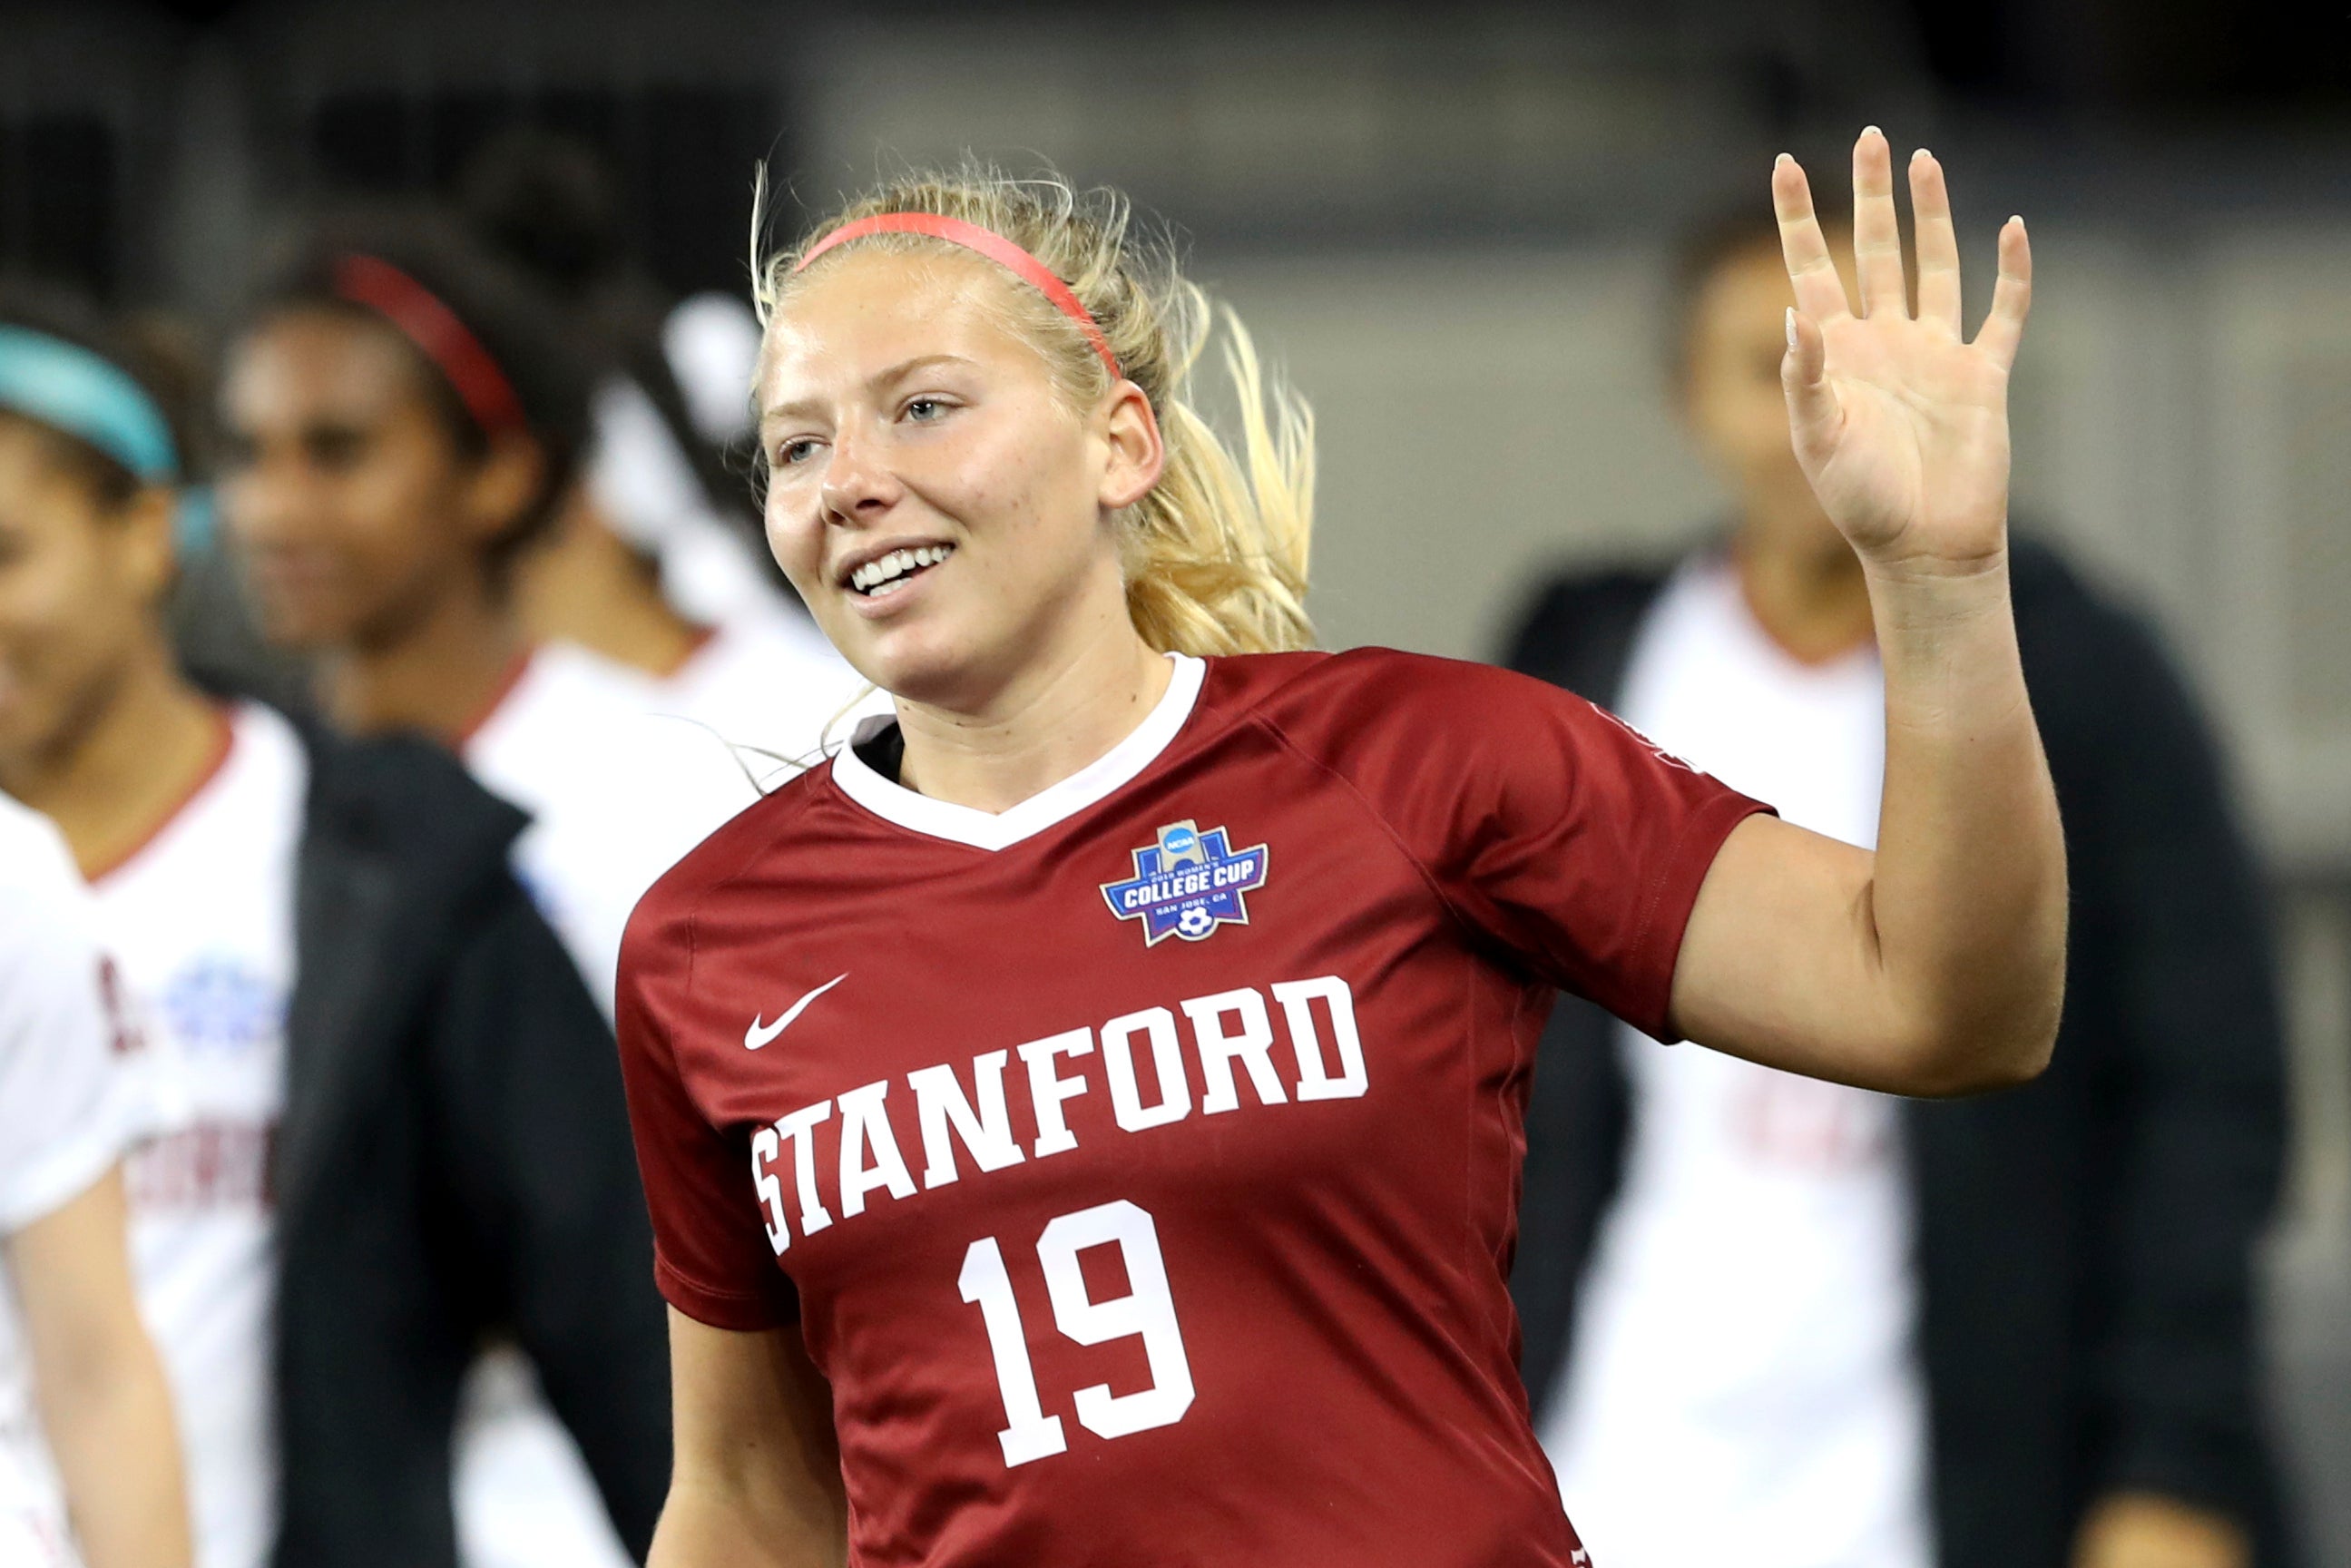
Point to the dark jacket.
(454, 1162)
(2084, 1243)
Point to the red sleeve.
(711, 1257)
(1550, 826)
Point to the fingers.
(1877, 261)
(2011, 296)
(1814, 412)
(1820, 292)
(1877, 232)
(1939, 245)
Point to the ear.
(146, 553)
(502, 486)
(1129, 429)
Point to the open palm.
(1900, 424)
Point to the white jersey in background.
(69, 1108)
(763, 688)
(201, 919)
(623, 775)
(1743, 1386)
(615, 795)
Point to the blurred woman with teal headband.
(89, 1463)
(339, 980)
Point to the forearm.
(1967, 896)
(718, 1527)
(110, 1429)
(99, 1384)
(757, 1480)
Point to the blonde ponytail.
(1215, 556)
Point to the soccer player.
(1960, 1357)
(87, 1454)
(1081, 1119)
(390, 1120)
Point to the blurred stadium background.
(1448, 224)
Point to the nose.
(261, 503)
(858, 483)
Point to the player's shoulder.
(35, 866)
(1316, 698)
(567, 681)
(48, 917)
(265, 741)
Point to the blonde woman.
(1081, 1119)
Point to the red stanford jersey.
(1141, 1164)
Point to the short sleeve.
(711, 1257)
(69, 1103)
(1549, 825)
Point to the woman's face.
(931, 493)
(353, 509)
(79, 585)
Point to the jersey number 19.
(1147, 1311)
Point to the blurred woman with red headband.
(402, 416)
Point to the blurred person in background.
(650, 559)
(404, 418)
(387, 1118)
(1787, 1323)
(90, 1461)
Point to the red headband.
(421, 317)
(988, 243)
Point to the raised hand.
(1900, 424)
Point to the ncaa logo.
(1179, 844)
(1187, 884)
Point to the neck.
(1804, 586)
(439, 675)
(1057, 719)
(128, 764)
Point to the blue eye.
(792, 452)
(923, 410)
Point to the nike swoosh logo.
(759, 1034)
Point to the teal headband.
(70, 388)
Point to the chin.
(289, 632)
(300, 629)
(921, 665)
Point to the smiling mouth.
(880, 578)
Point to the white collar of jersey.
(894, 802)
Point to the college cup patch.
(1187, 884)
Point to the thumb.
(1814, 412)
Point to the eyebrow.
(880, 379)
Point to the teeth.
(875, 576)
